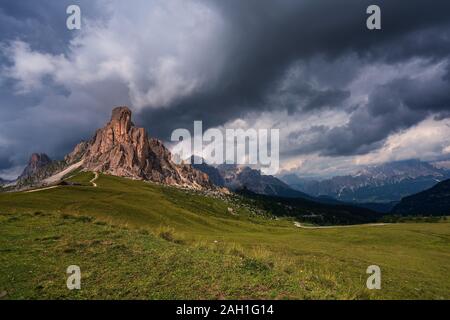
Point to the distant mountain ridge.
(384, 183)
(239, 177)
(39, 167)
(434, 201)
(36, 162)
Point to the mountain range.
(39, 167)
(389, 182)
(238, 177)
(434, 201)
(122, 149)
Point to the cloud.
(30, 68)
(427, 140)
(155, 48)
(396, 103)
(145, 55)
(335, 88)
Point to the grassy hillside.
(138, 240)
(434, 201)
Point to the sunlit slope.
(134, 203)
(196, 239)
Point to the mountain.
(122, 149)
(37, 162)
(389, 182)
(236, 177)
(434, 201)
(39, 167)
(291, 179)
(213, 173)
(241, 177)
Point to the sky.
(342, 96)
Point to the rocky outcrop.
(36, 162)
(39, 167)
(77, 154)
(122, 149)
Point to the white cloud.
(426, 141)
(30, 67)
(161, 50)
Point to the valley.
(136, 239)
(141, 226)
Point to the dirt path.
(299, 225)
(53, 187)
(41, 189)
(94, 179)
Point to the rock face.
(122, 149)
(36, 162)
(39, 167)
(77, 154)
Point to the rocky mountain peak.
(121, 121)
(122, 149)
(36, 162)
(39, 159)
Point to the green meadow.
(138, 240)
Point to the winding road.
(299, 225)
(94, 179)
(96, 176)
(41, 189)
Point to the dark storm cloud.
(395, 106)
(51, 119)
(5, 162)
(301, 96)
(42, 23)
(261, 40)
(266, 37)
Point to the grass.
(81, 178)
(134, 239)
